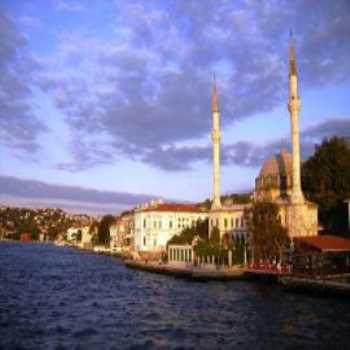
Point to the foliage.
(326, 181)
(189, 233)
(15, 221)
(78, 236)
(238, 252)
(215, 235)
(103, 235)
(219, 248)
(211, 246)
(236, 198)
(268, 236)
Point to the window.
(170, 224)
(242, 221)
(237, 222)
(154, 224)
(225, 223)
(144, 223)
(144, 240)
(232, 222)
(217, 222)
(160, 224)
(154, 242)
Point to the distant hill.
(48, 221)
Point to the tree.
(103, 235)
(187, 234)
(326, 181)
(268, 236)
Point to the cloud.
(68, 6)
(35, 193)
(19, 127)
(31, 22)
(246, 154)
(148, 88)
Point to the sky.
(106, 104)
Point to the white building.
(86, 236)
(72, 233)
(157, 223)
(82, 232)
(229, 219)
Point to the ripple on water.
(60, 298)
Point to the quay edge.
(315, 287)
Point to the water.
(59, 298)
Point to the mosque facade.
(279, 180)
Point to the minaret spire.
(292, 56)
(294, 108)
(214, 97)
(216, 136)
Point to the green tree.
(326, 181)
(103, 235)
(268, 236)
(215, 235)
(187, 234)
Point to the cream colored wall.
(158, 230)
(301, 220)
(221, 215)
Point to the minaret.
(294, 108)
(216, 147)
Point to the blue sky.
(114, 96)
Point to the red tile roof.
(326, 243)
(175, 207)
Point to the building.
(321, 255)
(156, 223)
(118, 233)
(122, 233)
(80, 233)
(87, 233)
(279, 179)
(227, 217)
(72, 233)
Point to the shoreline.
(287, 282)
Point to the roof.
(175, 208)
(326, 243)
(278, 164)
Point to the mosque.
(279, 180)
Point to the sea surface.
(60, 298)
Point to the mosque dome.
(278, 165)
